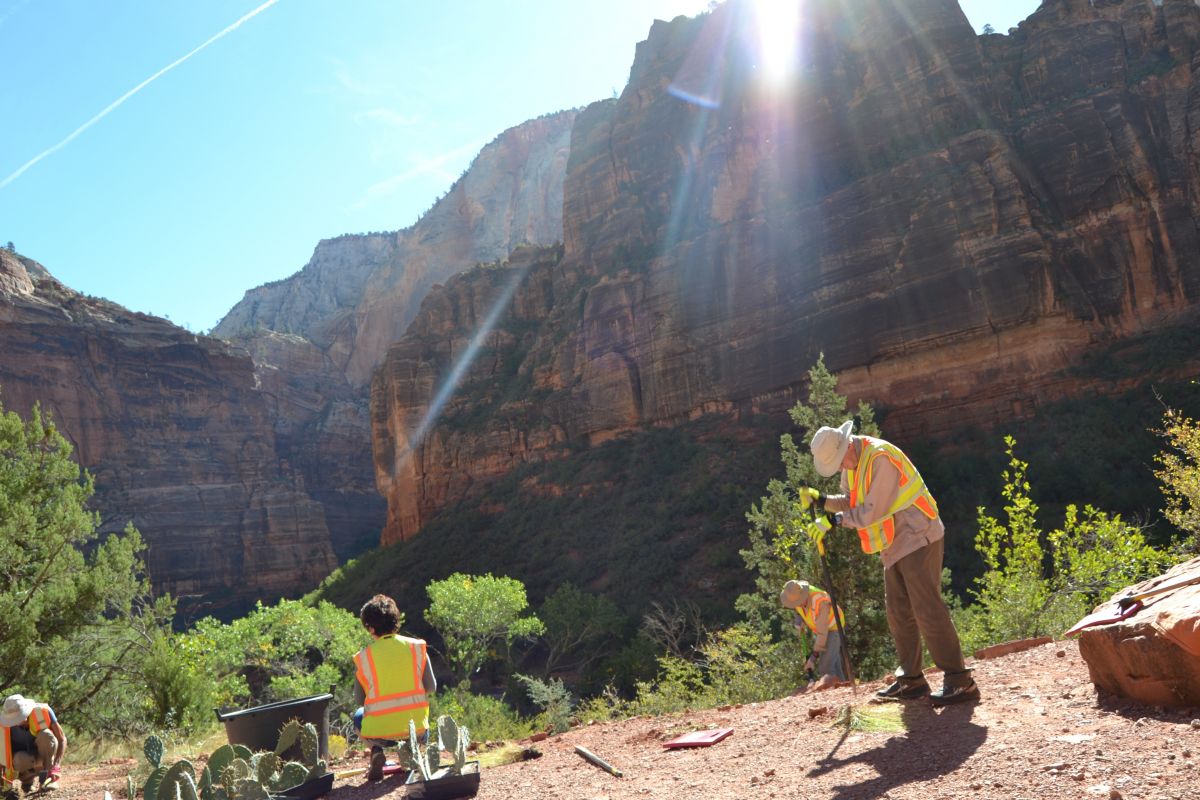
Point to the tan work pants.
(916, 611)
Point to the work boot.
(904, 689)
(955, 692)
(378, 760)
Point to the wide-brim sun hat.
(794, 594)
(829, 448)
(16, 710)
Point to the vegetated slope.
(1039, 731)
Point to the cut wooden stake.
(597, 760)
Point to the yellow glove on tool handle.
(808, 496)
(817, 530)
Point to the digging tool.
(1125, 607)
(837, 607)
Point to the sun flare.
(778, 22)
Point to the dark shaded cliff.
(955, 221)
(178, 437)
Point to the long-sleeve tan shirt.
(914, 530)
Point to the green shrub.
(489, 719)
(553, 699)
(1179, 475)
(291, 649)
(1038, 584)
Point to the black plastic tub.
(309, 790)
(258, 727)
(450, 787)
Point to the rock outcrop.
(316, 337)
(177, 435)
(1154, 655)
(953, 220)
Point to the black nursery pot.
(258, 727)
(309, 790)
(450, 787)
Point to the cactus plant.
(130, 787)
(309, 744)
(153, 748)
(242, 752)
(287, 736)
(150, 789)
(221, 758)
(185, 788)
(292, 774)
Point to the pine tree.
(780, 549)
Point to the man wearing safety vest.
(395, 682)
(32, 743)
(884, 498)
(814, 611)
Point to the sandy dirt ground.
(1039, 731)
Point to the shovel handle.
(1129, 599)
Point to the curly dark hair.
(380, 614)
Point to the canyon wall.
(953, 220)
(177, 435)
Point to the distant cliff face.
(952, 220)
(359, 293)
(178, 437)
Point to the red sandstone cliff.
(178, 437)
(952, 219)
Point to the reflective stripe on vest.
(390, 671)
(819, 598)
(912, 491)
(39, 718)
(6, 756)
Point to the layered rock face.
(1154, 655)
(178, 437)
(952, 220)
(316, 337)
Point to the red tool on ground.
(1125, 607)
(699, 738)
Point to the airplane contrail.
(117, 103)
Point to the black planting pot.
(309, 790)
(449, 787)
(258, 727)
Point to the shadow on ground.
(936, 744)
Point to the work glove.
(816, 532)
(808, 496)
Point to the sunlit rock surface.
(953, 220)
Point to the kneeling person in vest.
(395, 681)
(884, 498)
(32, 744)
(814, 611)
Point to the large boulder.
(1154, 655)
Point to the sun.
(778, 22)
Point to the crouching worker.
(33, 744)
(814, 611)
(395, 682)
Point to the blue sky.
(245, 145)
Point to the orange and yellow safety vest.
(818, 600)
(390, 670)
(878, 536)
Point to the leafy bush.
(472, 613)
(488, 718)
(278, 652)
(1038, 584)
(1179, 475)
